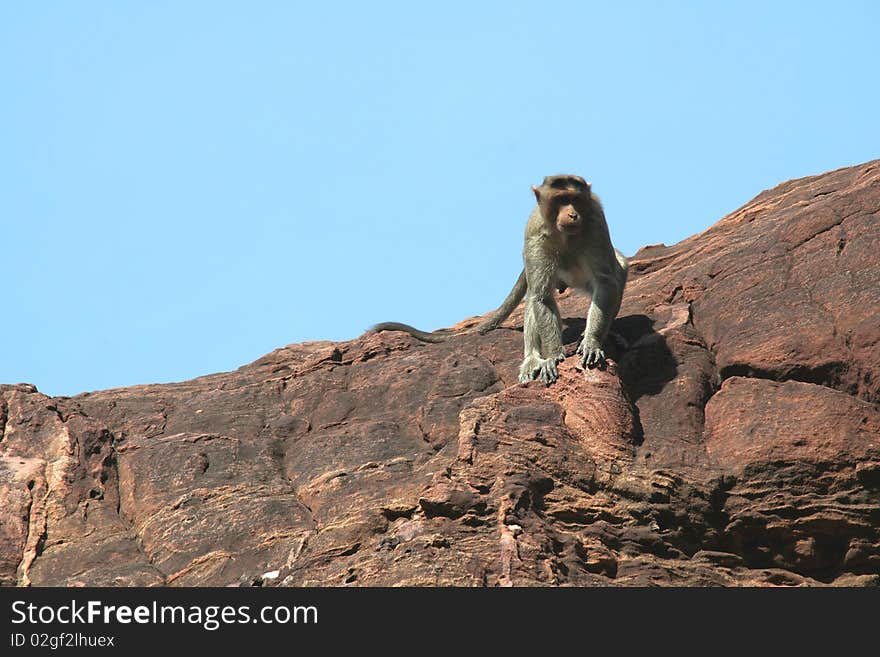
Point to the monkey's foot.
(591, 353)
(533, 368)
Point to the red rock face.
(735, 441)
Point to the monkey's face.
(569, 213)
(564, 209)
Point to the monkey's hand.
(591, 353)
(533, 368)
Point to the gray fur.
(567, 244)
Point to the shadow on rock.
(647, 363)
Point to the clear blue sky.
(185, 186)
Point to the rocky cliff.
(735, 441)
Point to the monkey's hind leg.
(534, 367)
(542, 330)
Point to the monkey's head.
(564, 202)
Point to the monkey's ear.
(537, 191)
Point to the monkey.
(567, 244)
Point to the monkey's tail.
(424, 336)
(508, 306)
(510, 303)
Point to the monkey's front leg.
(542, 340)
(603, 308)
